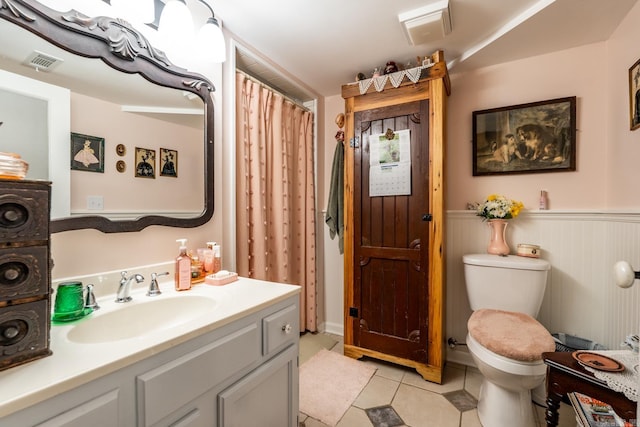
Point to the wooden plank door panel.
(390, 261)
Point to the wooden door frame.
(435, 86)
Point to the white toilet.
(504, 339)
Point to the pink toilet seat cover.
(510, 334)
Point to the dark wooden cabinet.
(566, 375)
(394, 252)
(25, 271)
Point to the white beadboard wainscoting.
(581, 297)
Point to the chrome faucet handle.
(90, 299)
(154, 289)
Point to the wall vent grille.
(42, 61)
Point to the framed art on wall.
(634, 94)
(526, 138)
(87, 153)
(145, 163)
(168, 162)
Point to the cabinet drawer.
(24, 333)
(280, 328)
(24, 272)
(24, 214)
(99, 412)
(168, 387)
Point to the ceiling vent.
(42, 61)
(426, 24)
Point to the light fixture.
(178, 36)
(176, 30)
(211, 40)
(427, 23)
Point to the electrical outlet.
(95, 203)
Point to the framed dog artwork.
(526, 138)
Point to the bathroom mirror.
(114, 64)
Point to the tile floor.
(398, 396)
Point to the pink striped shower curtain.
(275, 200)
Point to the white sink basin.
(136, 319)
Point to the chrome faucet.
(125, 286)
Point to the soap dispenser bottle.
(183, 267)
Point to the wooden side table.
(565, 374)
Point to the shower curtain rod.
(263, 84)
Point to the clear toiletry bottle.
(207, 260)
(217, 256)
(197, 275)
(183, 267)
(543, 200)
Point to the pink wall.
(556, 75)
(607, 152)
(623, 171)
(92, 116)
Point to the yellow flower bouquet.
(499, 207)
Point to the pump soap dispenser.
(183, 267)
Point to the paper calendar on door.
(390, 164)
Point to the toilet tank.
(511, 283)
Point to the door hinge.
(353, 312)
(427, 217)
(355, 142)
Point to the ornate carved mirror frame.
(123, 48)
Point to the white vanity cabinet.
(242, 374)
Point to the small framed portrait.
(145, 163)
(87, 153)
(634, 94)
(526, 138)
(168, 162)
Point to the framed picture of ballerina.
(87, 153)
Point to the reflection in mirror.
(37, 116)
(141, 102)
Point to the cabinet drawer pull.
(287, 328)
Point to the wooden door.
(394, 246)
(391, 240)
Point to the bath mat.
(329, 383)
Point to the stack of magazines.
(592, 412)
(12, 166)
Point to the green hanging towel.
(335, 206)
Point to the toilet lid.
(510, 334)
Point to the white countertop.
(73, 364)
